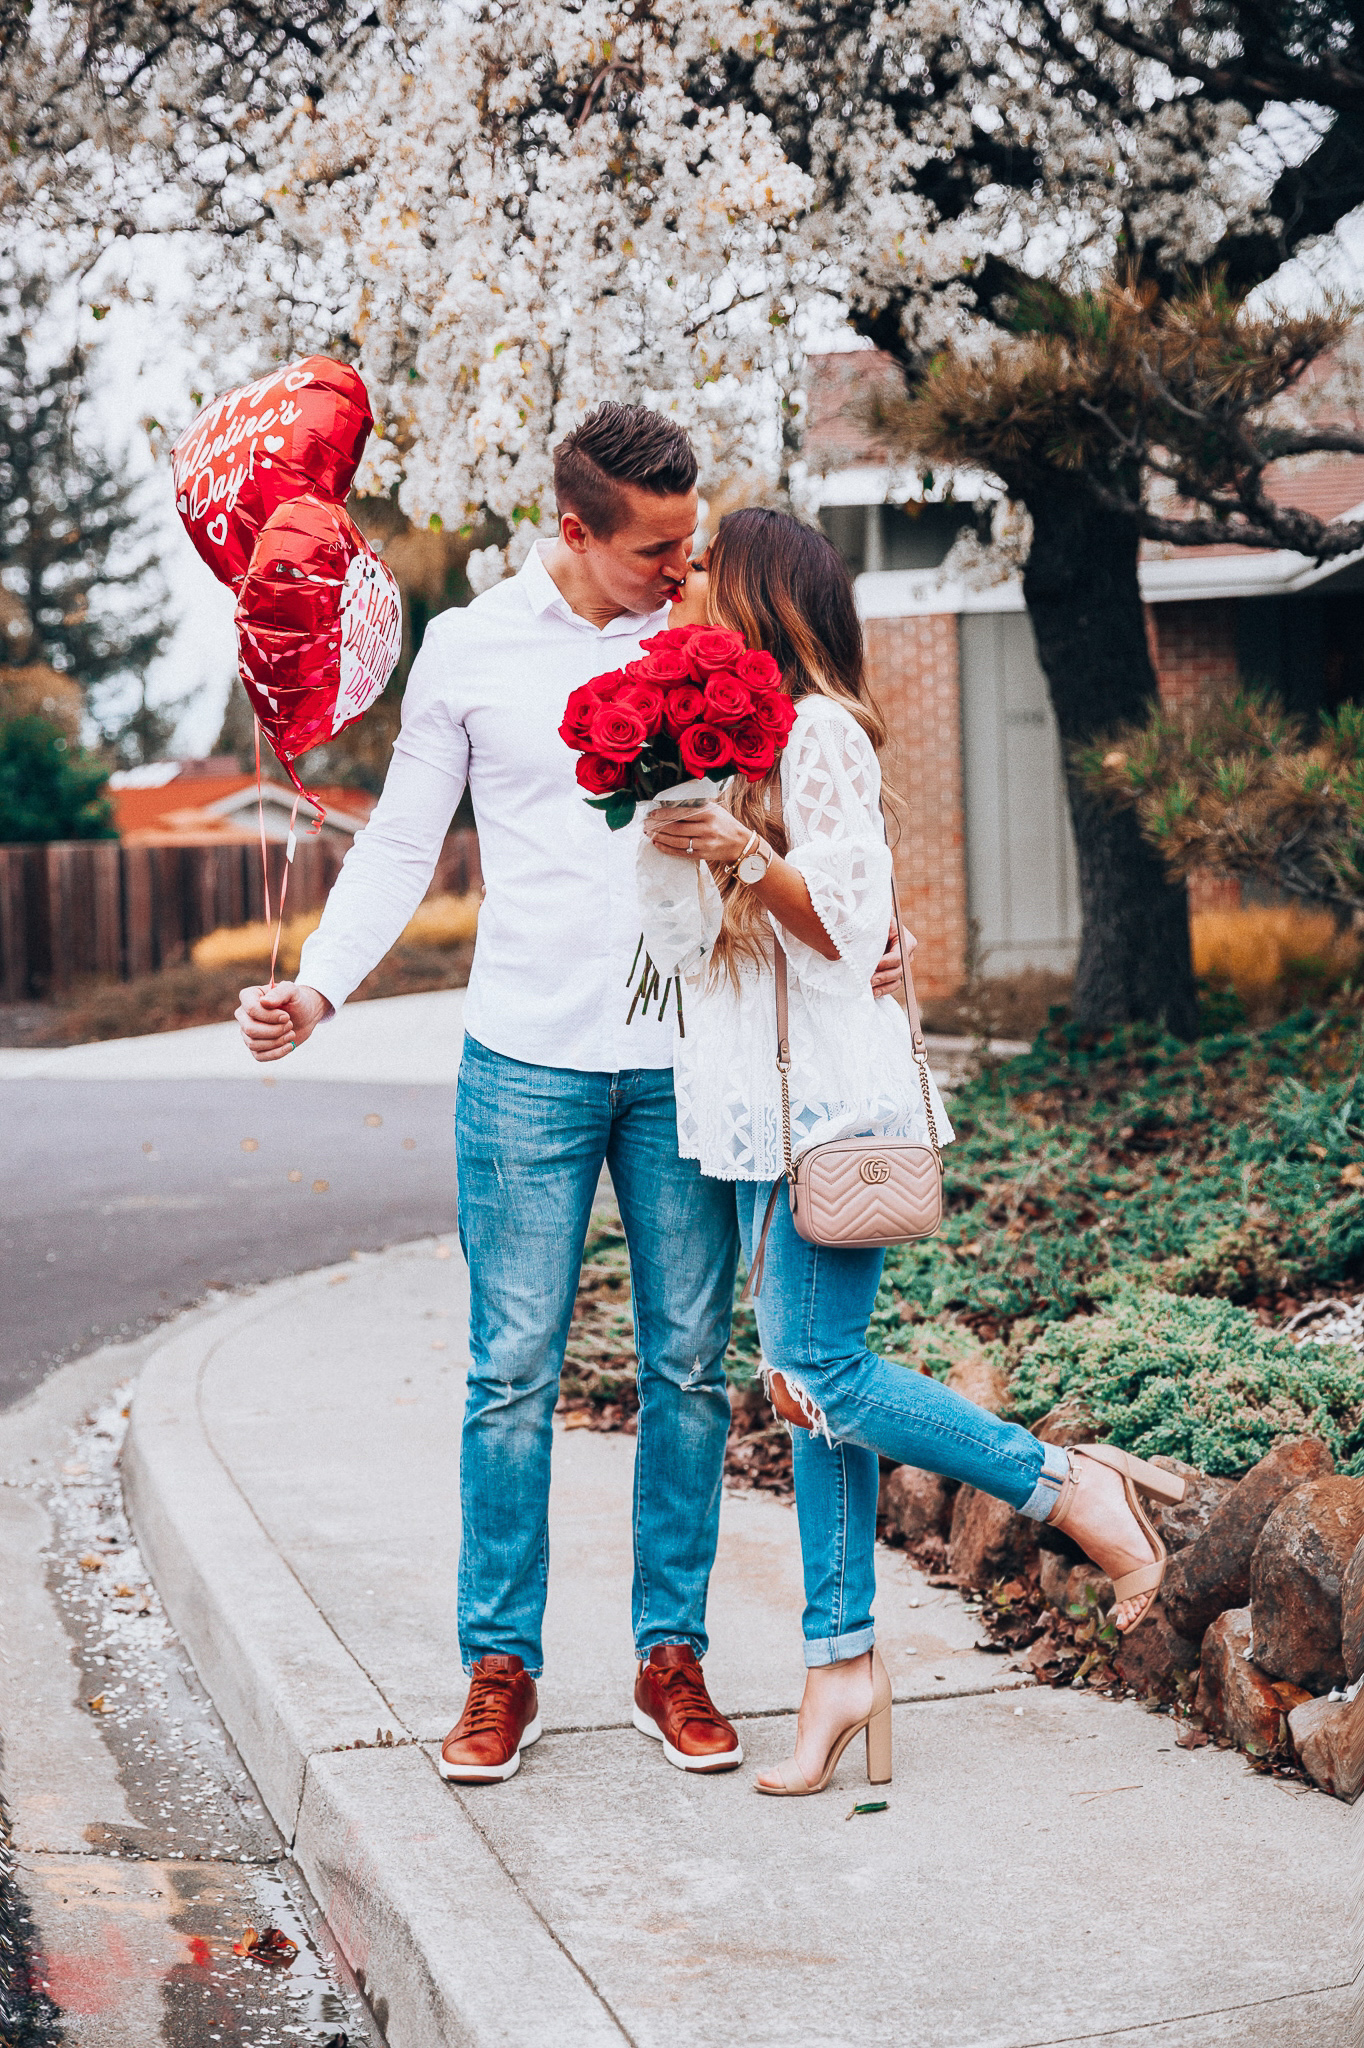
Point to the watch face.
(753, 869)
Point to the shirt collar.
(545, 598)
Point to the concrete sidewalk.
(1050, 1869)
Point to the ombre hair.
(786, 588)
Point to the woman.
(804, 856)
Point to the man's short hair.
(615, 445)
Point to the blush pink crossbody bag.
(856, 1192)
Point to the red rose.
(667, 668)
(704, 747)
(647, 700)
(608, 687)
(670, 638)
(682, 707)
(726, 698)
(576, 729)
(601, 776)
(712, 648)
(775, 713)
(757, 669)
(618, 731)
(755, 751)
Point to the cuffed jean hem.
(472, 1657)
(838, 1649)
(1055, 1471)
(696, 1644)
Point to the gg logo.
(875, 1172)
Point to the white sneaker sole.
(490, 1774)
(727, 1760)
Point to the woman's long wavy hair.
(786, 588)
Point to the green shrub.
(1200, 1380)
(50, 789)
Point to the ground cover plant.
(1130, 1220)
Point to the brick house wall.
(914, 670)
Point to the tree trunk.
(1083, 598)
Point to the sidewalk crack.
(1179, 2019)
(531, 1907)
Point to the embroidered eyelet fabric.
(852, 1065)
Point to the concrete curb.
(444, 1944)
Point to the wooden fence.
(95, 907)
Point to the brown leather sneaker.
(501, 1718)
(672, 1705)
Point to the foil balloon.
(301, 429)
(319, 626)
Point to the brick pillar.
(1193, 651)
(1193, 648)
(914, 672)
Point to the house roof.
(219, 806)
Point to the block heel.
(878, 1732)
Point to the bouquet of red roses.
(698, 704)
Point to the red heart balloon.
(319, 626)
(302, 428)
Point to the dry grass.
(180, 996)
(1253, 948)
(439, 922)
(1000, 1006)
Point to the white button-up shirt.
(560, 920)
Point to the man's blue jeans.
(813, 1310)
(530, 1143)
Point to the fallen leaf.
(1353, 1175)
(581, 1418)
(124, 1593)
(269, 1946)
(251, 1144)
(96, 1705)
(373, 1121)
(1191, 1738)
(90, 1563)
(868, 1806)
(320, 1187)
(294, 1175)
(1290, 1696)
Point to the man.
(554, 1084)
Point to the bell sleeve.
(831, 787)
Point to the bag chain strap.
(916, 1030)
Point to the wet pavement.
(140, 1846)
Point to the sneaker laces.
(685, 1688)
(487, 1701)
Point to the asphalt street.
(123, 1202)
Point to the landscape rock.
(1295, 1582)
(1155, 1656)
(916, 1504)
(1067, 1424)
(989, 1540)
(1212, 1573)
(1328, 1736)
(1234, 1698)
(1352, 1615)
(982, 1380)
(1065, 1585)
(1184, 1522)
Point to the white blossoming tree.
(539, 206)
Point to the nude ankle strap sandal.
(877, 1724)
(1138, 1477)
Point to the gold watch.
(754, 861)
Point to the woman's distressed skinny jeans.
(812, 1313)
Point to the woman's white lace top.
(852, 1067)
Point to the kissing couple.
(792, 871)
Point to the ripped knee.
(793, 1404)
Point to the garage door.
(1020, 851)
